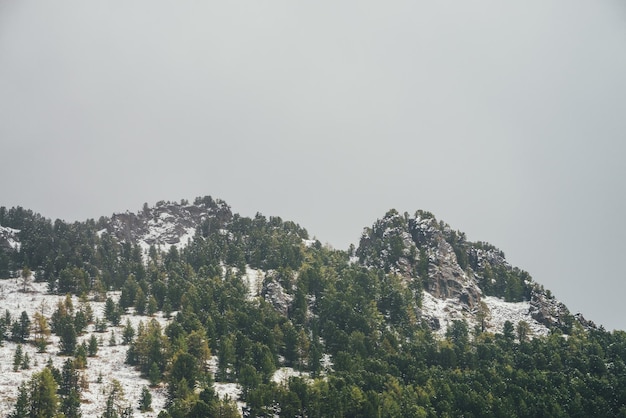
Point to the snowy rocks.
(274, 294)
(451, 271)
(9, 238)
(169, 223)
(417, 249)
(547, 310)
(588, 325)
(447, 280)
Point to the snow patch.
(10, 236)
(515, 312)
(449, 310)
(282, 375)
(254, 281)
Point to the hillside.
(415, 321)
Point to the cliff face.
(463, 280)
(446, 279)
(416, 249)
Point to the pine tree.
(154, 375)
(26, 278)
(80, 357)
(21, 405)
(80, 322)
(43, 394)
(69, 390)
(152, 306)
(167, 309)
(109, 309)
(92, 349)
(140, 301)
(67, 336)
(128, 334)
(523, 331)
(21, 329)
(18, 357)
(25, 365)
(4, 328)
(145, 401)
(98, 290)
(100, 325)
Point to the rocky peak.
(457, 273)
(417, 249)
(446, 278)
(169, 223)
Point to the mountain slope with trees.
(414, 322)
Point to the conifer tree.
(69, 389)
(154, 374)
(43, 400)
(21, 409)
(80, 359)
(18, 357)
(26, 278)
(128, 334)
(92, 348)
(41, 331)
(4, 328)
(20, 330)
(145, 400)
(67, 336)
(25, 365)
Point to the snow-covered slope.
(444, 311)
(101, 370)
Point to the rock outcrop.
(168, 223)
(9, 239)
(430, 255)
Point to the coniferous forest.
(349, 321)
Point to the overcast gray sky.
(505, 119)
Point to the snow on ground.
(254, 281)
(109, 362)
(230, 391)
(282, 375)
(161, 230)
(515, 312)
(226, 390)
(156, 235)
(448, 310)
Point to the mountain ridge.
(252, 308)
(416, 248)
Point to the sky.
(507, 120)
